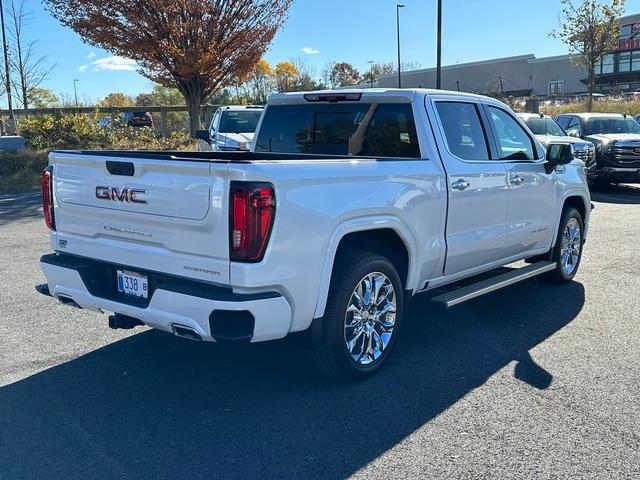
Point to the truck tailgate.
(156, 214)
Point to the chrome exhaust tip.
(185, 332)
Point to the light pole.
(6, 71)
(75, 90)
(439, 48)
(371, 62)
(398, 7)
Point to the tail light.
(253, 209)
(47, 197)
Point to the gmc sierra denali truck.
(348, 204)
(617, 141)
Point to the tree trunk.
(591, 85)
(193, 107)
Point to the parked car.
(349, 204)
(137, 119)
(617, 141)
(105, 122)
(548, 131)
(232, 128)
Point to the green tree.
(160, 96)
(589, 29)
(376, 70)
(41, 97)
(116, 99)
(341, 74)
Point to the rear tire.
(567, 252)
(362, 317)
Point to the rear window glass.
(244, 121)
(356, 129)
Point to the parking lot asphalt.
(534, 381)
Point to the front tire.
(567, 252)
(363, 314)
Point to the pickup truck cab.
(617, 141)
(349, 204)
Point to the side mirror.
(558, 154)
(202, 135)
(573, 133)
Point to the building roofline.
(527, 56)
(626, 17)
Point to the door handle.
(460, 184)
(517, 180)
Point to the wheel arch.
(580, 203)
(386, 236)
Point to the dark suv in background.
(617, 141)
(137, 119)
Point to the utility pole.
(458, 84)
(12, 123)
(398, 7)
(75, 91)
(501, 84)
(371, 62)
(439, 48)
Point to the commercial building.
(526, 75)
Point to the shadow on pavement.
(616, 194)
(153, 406)
(19, 207)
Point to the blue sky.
(344, 30)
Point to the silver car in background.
(548, 131)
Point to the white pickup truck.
(348, 204)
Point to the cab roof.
(379, 95)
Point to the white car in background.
(232, 128)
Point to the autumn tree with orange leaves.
(196, 46)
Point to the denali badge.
(131, 195)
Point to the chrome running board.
(460, 295)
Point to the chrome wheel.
(370, 318)
(570, 245)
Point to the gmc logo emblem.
(129, 195)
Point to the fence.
(206, 112)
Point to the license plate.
(131, 283)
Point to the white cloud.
(83, 68)
(91, 54)
(114, 63)
(310, 51)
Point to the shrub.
(630, 107)
(20, 171)
(81, 132)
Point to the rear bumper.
(173, 301)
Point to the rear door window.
(463, 130)
(350, 129)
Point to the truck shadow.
(153, 406)
(617, 194)
(21, 206)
